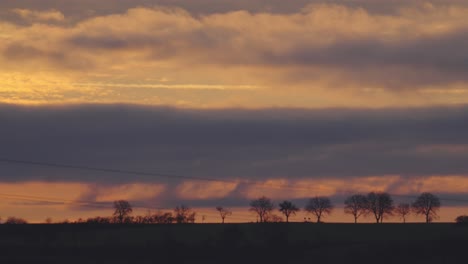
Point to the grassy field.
(234, 243)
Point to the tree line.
(122, 215)
(378, 205)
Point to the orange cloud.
(303, 59)
(306, 188)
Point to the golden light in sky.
(309, 98)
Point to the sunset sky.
(217, 102)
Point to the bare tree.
(139, 219)
(262, 207)
(15, 220)
(122, 210)
(163, 218)
(223, 212)
(427, 204)
(402, 210)
(288, 208)
(356, 205)
(462, 219)
(148, 218)
(184, 214)
(379, 204)
(319, 206)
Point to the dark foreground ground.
(235, 243)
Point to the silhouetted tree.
(48, 220)
(98, 220)
(129, 220)
(462, 219)
(144, 219)
(140, 219)
(273, 218)
(402, 210)
(122, 210)
(356, 205)
(319, 206)
(223, 212)
(427, 204)
(64, 222)
(379, 204)
(262, 207)
(15, 220)
(163, 218)
(288, 208)
(184, 214)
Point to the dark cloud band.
(250, 144)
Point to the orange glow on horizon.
(38, 200)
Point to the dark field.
(235, 243)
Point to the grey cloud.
(81, 9)
(402, 64)
(447, 53)
(406, 64)
(19, 51)
(249, 144)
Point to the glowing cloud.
(320, 56)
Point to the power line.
(131, 172)
(165, 175)
(65, 166)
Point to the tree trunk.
(287, 218)
(318, 218)
(223, 220)
(355, 219)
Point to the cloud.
(82, 9)
(50, 15)
(232, 144)
(341, 55)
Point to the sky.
(218, 102)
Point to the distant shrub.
(273, 218)
(163, 218)
(65, 221)
(15, 220)
(462, 219)
(98, 220)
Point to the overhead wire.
(177, 176)
(153, 174)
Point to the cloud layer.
(231, 144)
(316, 55)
